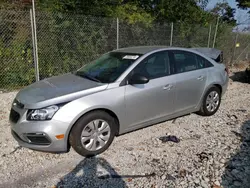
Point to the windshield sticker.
(130, 57)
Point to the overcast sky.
(241, 15)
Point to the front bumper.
(41, 135)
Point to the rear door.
(191, 78)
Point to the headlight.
(42, 114)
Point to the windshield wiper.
(82, 74)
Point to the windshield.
(108, 67)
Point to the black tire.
(75, 134)
(203, 110)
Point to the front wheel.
(211, 102)
(93, 133)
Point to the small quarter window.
(203, 63)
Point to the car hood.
(57, 89)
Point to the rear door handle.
(200, 78)
(168, 87)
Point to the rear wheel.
(211, 102)
(93, 133)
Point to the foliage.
(71, 33)
(244, 4)
(132, 10)
(73, 41)
(15, 4)
(16, 66)
(225, 12)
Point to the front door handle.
(168, 87)
(200, 78)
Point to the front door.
(145, 102)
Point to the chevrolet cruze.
(123, 90)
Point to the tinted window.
(203, 63)
(108, 67)
(184, 61)
(155, 66)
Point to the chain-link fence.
(241, 51)
(68, 41)
(16, 62)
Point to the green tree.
(225, 12)
(244, 4)
(130, 11)
(172, 11)
(15, 4)
(144, 11)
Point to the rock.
(196, 181)
(206, 180)
(129, 148)
(223, 161)
(216, 173)
(217, 183)
(215, 186)
(163, 177)
(182, 172)
(204, 184)
(182, 183)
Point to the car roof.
(140, 49)
(208, 52)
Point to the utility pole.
(34, 39)
(216, 29)
(172, 31)
(209, 35)
(117, 33)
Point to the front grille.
(14, 116)
(39, 139)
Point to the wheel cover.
(212, 101)
(95, 135)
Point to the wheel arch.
(219, 86)
(205, 91)
(108, 111)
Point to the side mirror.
(138, 79)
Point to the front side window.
(155, 66)
(108, 67)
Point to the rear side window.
(203, 63)
(184, 61)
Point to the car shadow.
(240, 76)
(92, 172)
(237, 171)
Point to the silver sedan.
(121, 91)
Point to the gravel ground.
(212, 152)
